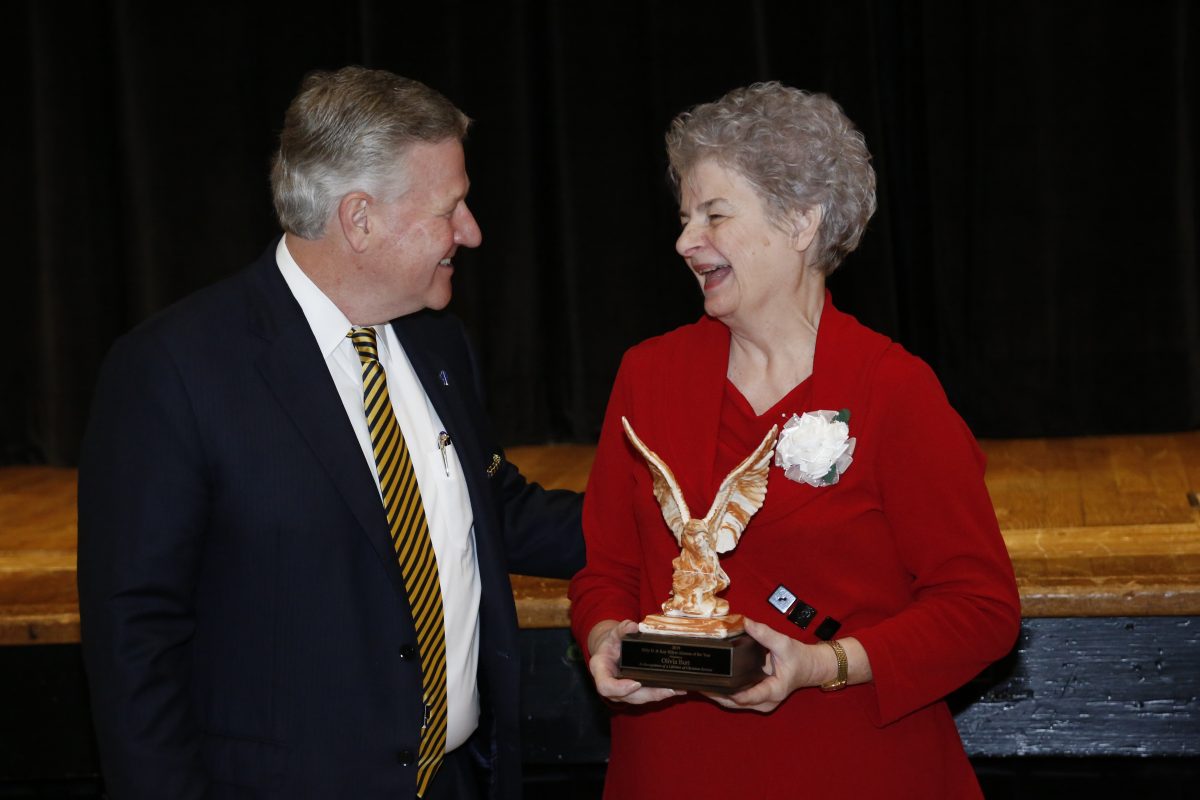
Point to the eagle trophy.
(693, 608)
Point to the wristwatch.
(840, 681)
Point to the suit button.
(407, 652)
(406, 757)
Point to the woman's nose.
(688, 240)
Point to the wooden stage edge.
(1096, 527)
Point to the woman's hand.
(604, 643)
(790, 665)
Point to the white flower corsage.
(816, 447)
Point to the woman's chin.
(718, 307)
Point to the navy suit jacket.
(245, 625)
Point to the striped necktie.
(414, 549)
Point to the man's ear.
(807, 224)
(354, 217)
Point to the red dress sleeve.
(607, 587)
(966, 611)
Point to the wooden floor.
(1101, 526)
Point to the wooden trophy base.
(708, 655)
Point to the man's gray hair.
(347, 131)
(796, 148)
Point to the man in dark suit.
(291, 586)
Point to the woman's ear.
(354, 217)
(806, 225)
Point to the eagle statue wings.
(698, 574)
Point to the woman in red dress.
(874, 573)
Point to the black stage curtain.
(1035, 240)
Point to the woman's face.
(745, 265)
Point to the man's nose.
(466, 229)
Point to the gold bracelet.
(842, 668)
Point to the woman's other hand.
(604, 643)
(792, 665)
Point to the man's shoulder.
(210, 314)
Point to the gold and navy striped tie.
(414, 549)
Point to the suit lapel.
(445, 379)
(292, 365)
(443, 385)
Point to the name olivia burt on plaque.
(696, 643)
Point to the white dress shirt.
(439, 476)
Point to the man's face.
(411, 262)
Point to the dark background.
(1035, 240)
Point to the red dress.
(904, 552)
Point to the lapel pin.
(494, 466)
(444, 378)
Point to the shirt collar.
(329, 325)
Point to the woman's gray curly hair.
(796, 148)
